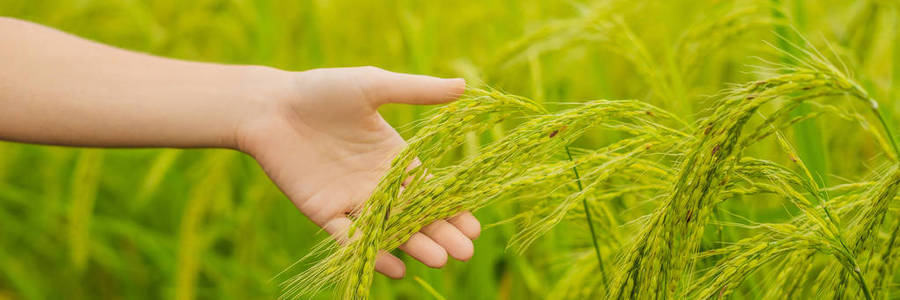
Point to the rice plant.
(701, 164)
(741, 149)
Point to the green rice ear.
(680, 171)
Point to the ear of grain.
(692, 174)
(469, 185)
(660, 256)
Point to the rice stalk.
(191, 239)
(660, 260)
(469, 185)
(85, 183)
(587, 216)
(434, 293)
(660, 256)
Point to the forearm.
(59, 89)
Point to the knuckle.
(369, 81)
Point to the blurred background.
(208, 224)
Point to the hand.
(316, 133)
(326, 147)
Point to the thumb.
(389, 87)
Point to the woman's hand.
(324, 144)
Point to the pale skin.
(316, 133)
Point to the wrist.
(263, 88)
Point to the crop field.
(611, 149)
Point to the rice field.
(612, 149)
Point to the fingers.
(389, 87)
(467, 224)
(444, 235)
(385, 263)
(441, 238)
(458, 245)
(389, 265)
(426, 250)
(431, 246)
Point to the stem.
(887, 129)
(587, 214)
(886, 259)
(809, 136)
(856, 271)
(892, 240)
(862, 282)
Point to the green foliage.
(728, 175)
